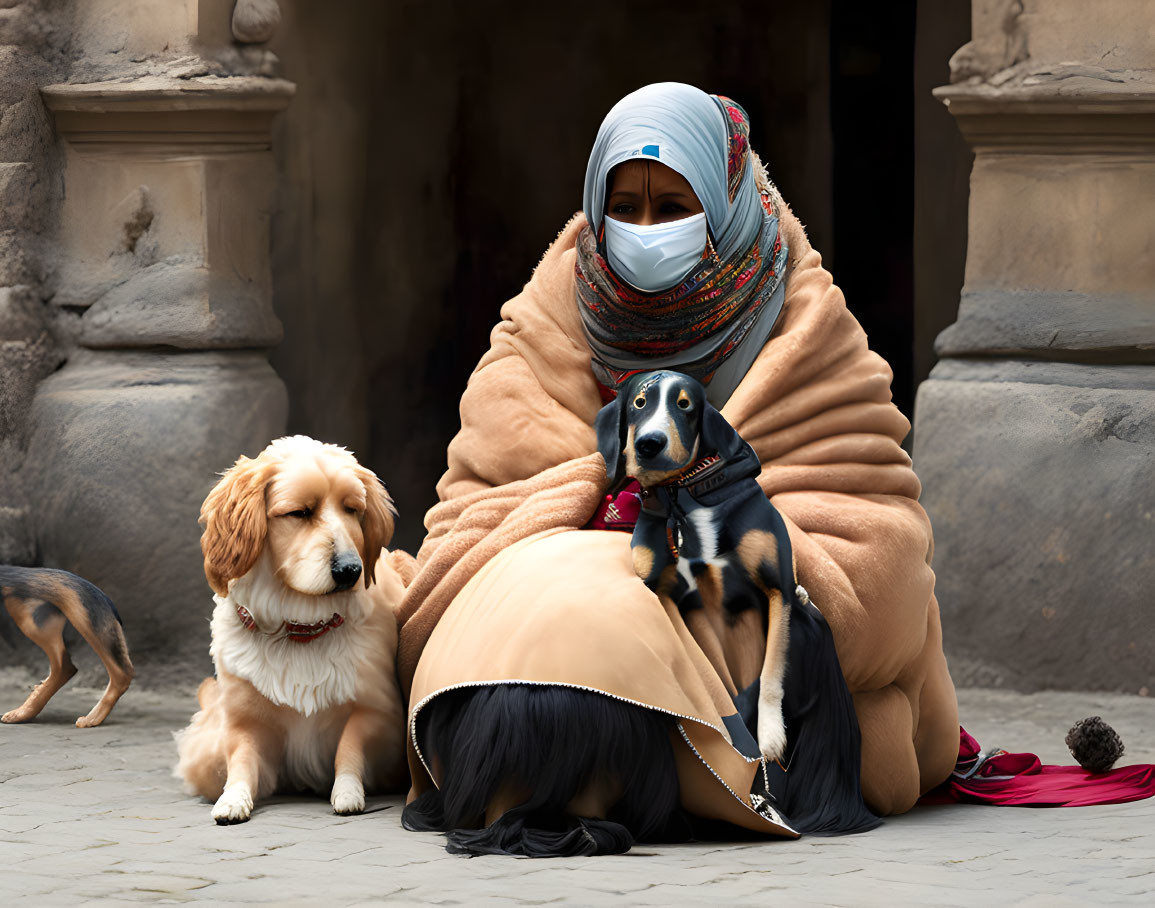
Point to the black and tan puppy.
(40, 601)
(705, 524)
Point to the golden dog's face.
(321, 517)
(315, 507)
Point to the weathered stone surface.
(23, 363)
(18, 314)
(111, 35)
(1039, 485)
(1111, 33)
(165, 222)
(180, 304)
(256, 21)
(1009, 32)
(1064, 222)
(17, 194)
(1037, 475)
(124, 448)
(1053, 325)
(31, 53)
(16, 543)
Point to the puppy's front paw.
(348, 795)
(235, 805)
(771, 732)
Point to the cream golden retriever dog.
(303, 640)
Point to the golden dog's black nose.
(650, 444)
(346, 572)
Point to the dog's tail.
(554, 742)
(820, 790)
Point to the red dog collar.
(694, 472)
(298, 633)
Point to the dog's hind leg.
(95, 619)
(761, 556)
(771, 725)
(119, 678)
(43, 624)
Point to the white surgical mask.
(655, 256)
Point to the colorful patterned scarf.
(698, 325)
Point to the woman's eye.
(639, 402)
(622, 208)
(673, 208)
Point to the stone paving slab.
(93, 815)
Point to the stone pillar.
(31, 41)
(1035, 434)
(163, 299)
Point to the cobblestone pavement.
(93, 814)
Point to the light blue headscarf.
(684, 128)
(715, 322)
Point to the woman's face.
(646, 192)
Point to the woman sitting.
(556, 704)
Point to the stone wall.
(33, 37)
(136, 265)
(1035, 435)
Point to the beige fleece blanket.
(510, 589)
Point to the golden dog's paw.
(14, 716)
(348, 795)
(771, 733)
(235, 805)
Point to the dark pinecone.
(1094, 744)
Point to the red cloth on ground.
(1021, 780)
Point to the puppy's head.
(651, 430)
(321, 516)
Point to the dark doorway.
(872, 120)
(446, 146)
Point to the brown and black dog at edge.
(40, 601)
(708, 537)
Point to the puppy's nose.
(346, 571)
(650, 444)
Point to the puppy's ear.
(721, 437)
(233, 517)
(378, 523)
(611, 428)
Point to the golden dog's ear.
(377, 525)
(233, 516)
